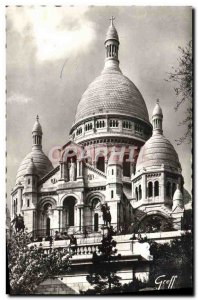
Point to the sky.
(53, 53)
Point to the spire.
(112, 47)
(157, 119)
(37, 134)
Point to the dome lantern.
(112, 47)
(157, 119)
(37, 134)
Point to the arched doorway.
(47, 215)
(96, 214)
(69, 211)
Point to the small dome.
(157, 151)
(112, 33)
(177, 195)
(31, 169)
(157, 110)
(41, 162)
(37, 126)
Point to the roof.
(157, 110)
(112, 93)
(37, 126)
(157, 151)
(112, 33)
(31, 169)
(41, 162)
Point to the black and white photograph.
(99, 126)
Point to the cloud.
(18, 98)
(56, 32)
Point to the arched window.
(126, 166)
(96, 222)
(150, 189)
(100, 164)
(156, 188)
(68, 211)
(136, 193)
(173, 189)
(140, 192)
(168, 189)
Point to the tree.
(29, 265)
(174, 258)
(102, 274)
(182, 76)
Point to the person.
(57, 236)
(73, 242)
(85, 233)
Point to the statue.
(106, 214)
(72, 171)
(19, 223)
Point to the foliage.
(174, 258)
(29, 265)
(102, 274)
(182, 76)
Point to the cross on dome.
(112, 19)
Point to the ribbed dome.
(157, 151)
(41, 162)
(112, 93)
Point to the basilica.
(115, 155)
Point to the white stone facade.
(111, 116)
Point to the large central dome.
(112, 93)
(111, 107)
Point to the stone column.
(80, 213)
(162, 186)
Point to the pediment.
(51, 178)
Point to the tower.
(30, 196)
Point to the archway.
(69, 211)
(46, 218)
(155, 223)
